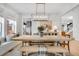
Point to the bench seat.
(50, 49)
(57, 49)
(29, 49)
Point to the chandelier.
(40, 11)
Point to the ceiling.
(50, 8)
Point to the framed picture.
(70, 25)
(27, 27)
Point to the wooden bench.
(57, 49)
(29, 49)
(51, 49)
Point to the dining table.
(36, 38)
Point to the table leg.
(27, 43)
(64, 54)
(64, 43)
(68, 47)
(57, 43)
(23, 43)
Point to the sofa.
(7, 45)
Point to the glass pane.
(1, 26)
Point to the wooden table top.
(38, 38)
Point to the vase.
(41, 34)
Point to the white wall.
(56, 21)
(19, 24)
(75, 13)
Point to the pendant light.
(42, 15)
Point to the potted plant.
(41, 29)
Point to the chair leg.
(58, 43)
(68, 47)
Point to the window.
(11, 26)
(1, 27)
